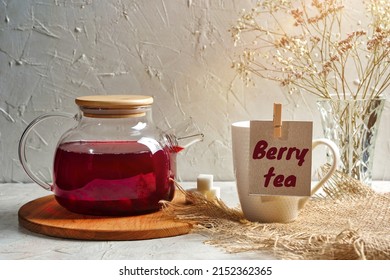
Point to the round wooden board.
(45, 216)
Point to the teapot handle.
(22, 146)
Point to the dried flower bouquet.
(307, 46)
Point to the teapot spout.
(182, 136)
(178, 144)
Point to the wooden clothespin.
(277, 120)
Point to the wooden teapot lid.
(114, 101)
(112, 106)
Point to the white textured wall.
(178, 51)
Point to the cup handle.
(335, 161)
(23, 146)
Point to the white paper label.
(280, 166)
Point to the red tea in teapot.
(111, 178)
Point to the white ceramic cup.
(266, 208)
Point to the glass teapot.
(114, 162)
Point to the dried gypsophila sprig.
(305, 47)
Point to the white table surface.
(18, 243)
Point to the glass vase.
(353, 125)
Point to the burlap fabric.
(350, 221)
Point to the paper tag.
(280, 166)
